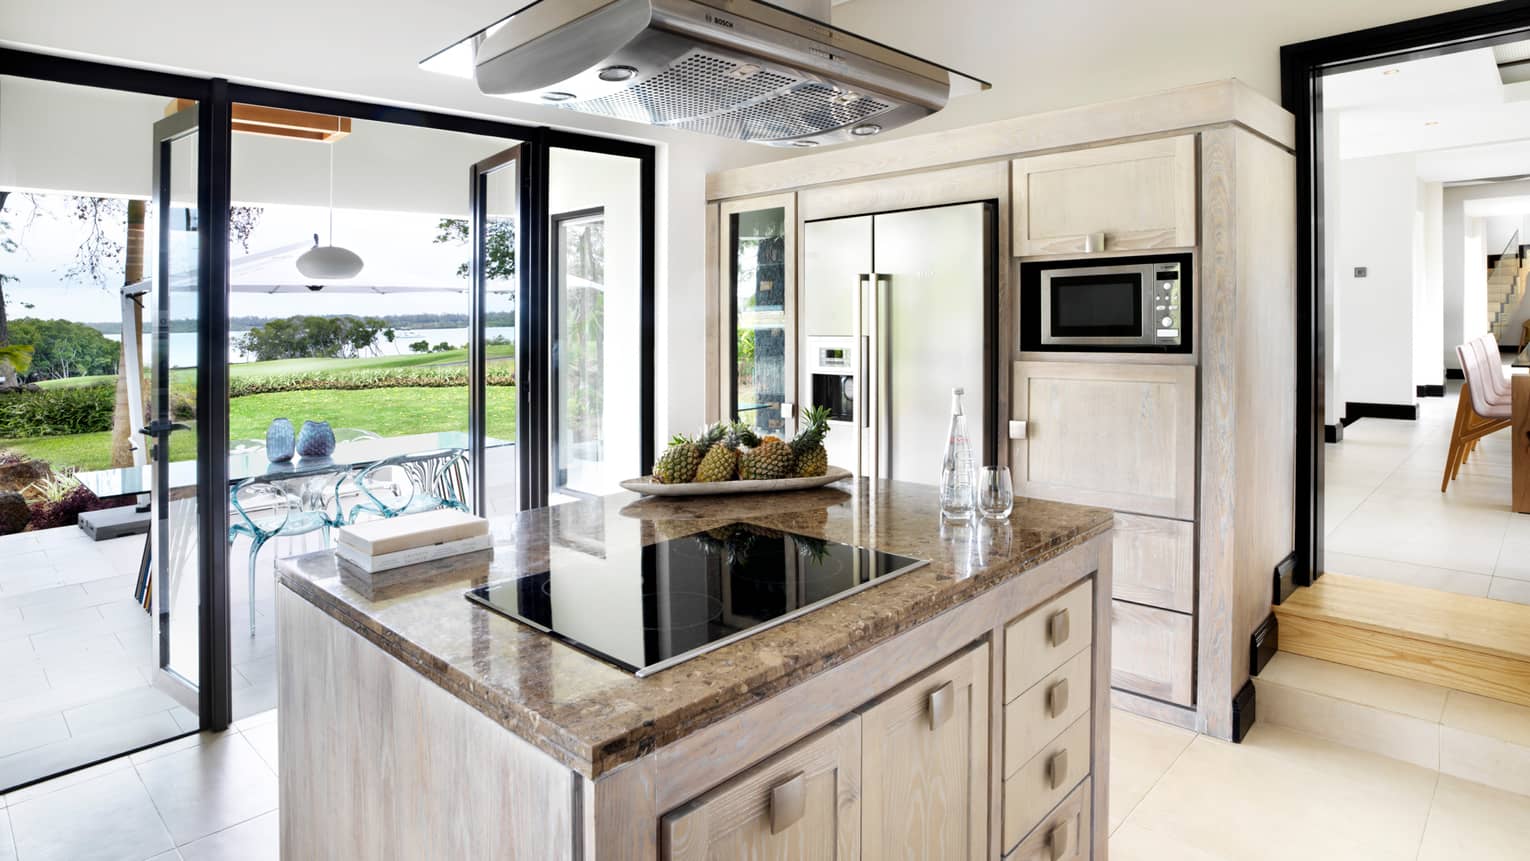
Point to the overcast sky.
(396, 247)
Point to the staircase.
(1431, 678)
(1506, 286)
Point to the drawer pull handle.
(1057, 698)
(788, 801)
(1058, 628)
(1057, 768)
(942, 703)
(1057, 841)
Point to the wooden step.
(1461, 642)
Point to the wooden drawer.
(1030, 651)
(1152, 652)
(1154, 562)
(1030, 721)
(1115, 435)
(803, 803)
(1139, 195)
(1045, 780)
(1064, 835)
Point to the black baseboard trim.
(1454, 374)
(1263, 644)
(1431, 391)
(1355, 410)
(1508, 349)
(1243, 712)
(1333, 433)
(1285, 579)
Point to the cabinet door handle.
(1058, 628)
(788, 801)
(1057, 841)
(1057, 698)
(1057, 768)
(942, 703)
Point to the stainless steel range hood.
(740, 69)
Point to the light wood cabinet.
(803, 804)
(1043, 712)
(1045, 779)
(925, 765)
(1154, 652)
(1114, 435)
(1154, 560)
(1040, 641)
(1139, 195)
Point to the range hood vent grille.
(697, 85)
(801, 112)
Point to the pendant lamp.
(330, 261)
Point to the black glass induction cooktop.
(667, 602)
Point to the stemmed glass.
(995, 494)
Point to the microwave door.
(1093, 307)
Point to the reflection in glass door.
(579, 309)
(496, 427)
(760, 267)
(176, 520)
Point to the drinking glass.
(995, 494)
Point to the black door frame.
(1302, 67)
(215, 98)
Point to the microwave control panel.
(1166, 303)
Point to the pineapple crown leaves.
(742, 434)
(813, 434)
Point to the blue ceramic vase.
(316, 440)
(279, 441)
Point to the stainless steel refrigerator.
(897, 309)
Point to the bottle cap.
(958, 391)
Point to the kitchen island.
(962, 705)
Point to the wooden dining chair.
(1479, 412)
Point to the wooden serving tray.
(646, 485)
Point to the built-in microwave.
(1136, 304)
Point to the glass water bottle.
(957, 488)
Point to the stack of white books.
(382, 545)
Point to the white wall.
(1429, 315)
(1045, 54)
(1499, 229)
(1380, 226)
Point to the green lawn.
(388, 412)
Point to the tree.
(499, 245)
(305, 337)
(420, 347)
(63, 348)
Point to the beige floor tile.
(1510, 589)
(1472, 821)
(84, 775)
(7, 843)
(259, 839)
(1141, 750)
(208, 788)
(107, 819)
(1409, 574)
(1484, 759)
(1242, 801)
(185, 743)
(1133, 842)
(1490, 717)
(1399, 736)
(1382, 691)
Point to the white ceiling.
(1453, 110)
(1489, 206)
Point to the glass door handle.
(162, 428)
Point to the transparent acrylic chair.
(266, 508)
(411, 483)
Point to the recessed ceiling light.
(557, 97)
(617, 73)
(1391, 71)
(865, 130)
(804, 144)
(1431, 122)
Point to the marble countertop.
(593, 716)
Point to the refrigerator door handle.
(882, 309)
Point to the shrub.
(420, 347)
(60, 501)
(499, 374)
(54, 412)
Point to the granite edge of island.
(593, 758)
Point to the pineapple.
(677, 465)
(720, 463)
(771, 459)
(810, 458)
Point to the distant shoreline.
(398, 321)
